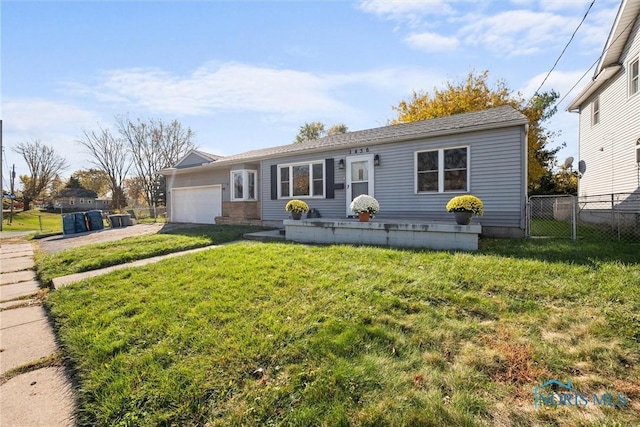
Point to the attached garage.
(200, 205)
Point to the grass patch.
(96, 256)
(283, 334)
(54, 359)
(31, 220)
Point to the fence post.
(527, 219)
(613, 215)
(574, 225)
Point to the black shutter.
(330, 179)
(274, 182)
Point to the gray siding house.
(412, 169)
(609, 108)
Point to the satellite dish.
(568, 163)
(582, 166)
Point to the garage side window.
(243, 185)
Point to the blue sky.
(247, 74)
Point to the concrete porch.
(395, 233)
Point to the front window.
(428, 171)
(634, 77)
(455, 169)
(442, 170)
(302, 180)
(243, 183)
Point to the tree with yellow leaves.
(475, 94)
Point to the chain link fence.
(143, 215)
(604, 217)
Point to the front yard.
(285, 334)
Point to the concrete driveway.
(58, 243)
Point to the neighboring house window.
(81, 201)
(301, 180)
(72, 201)
(243, 184)
(595, 111)
(442, 170)
(634, 77)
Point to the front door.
(359, 178)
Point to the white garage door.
(200, 205)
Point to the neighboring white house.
(413, 169)
(609, 108)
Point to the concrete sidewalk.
(38, 396)
(62, 281)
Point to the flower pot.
(463, 218)
(296, 215)
(364, 216)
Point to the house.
(77, 199)
(609, 109)
(413, 170)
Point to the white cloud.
(528, 27)
(211, 88)
(519, 32)
(595, 31)
(37, 116)
(570, 5)
(56, 124)
(432, 42)
(410, 11)
(407, 7)
(560, 81)
(233, 87)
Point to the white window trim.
(441, 171)
(310, 164)
(595, 103)
(245, 189)
(631, 77)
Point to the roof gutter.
(593, 86)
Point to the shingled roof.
(492, 118)
(212, 157)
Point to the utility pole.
(12, 195)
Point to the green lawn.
(283, 334)
(30, 221)
(93, 257)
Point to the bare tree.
(154, 145)
(44, 165)
(110, 155)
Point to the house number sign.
(359, 150)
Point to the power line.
(562, 53)
(578, 82)
(595, 62)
